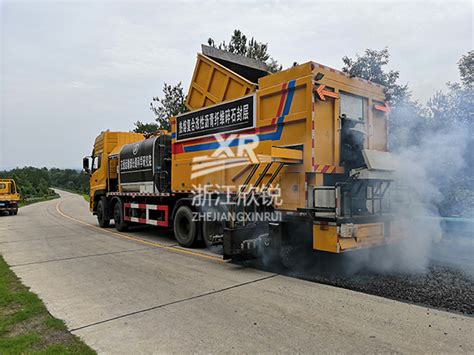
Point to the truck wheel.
(120, 224)
(15, 212)
(102, 215)
(185, 229)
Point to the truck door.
(98, 174)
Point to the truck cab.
(101, 165)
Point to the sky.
(69, 70)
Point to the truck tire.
(185, 229)
(15, 212)
(120, 224)
(102, 213)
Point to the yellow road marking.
(139, 240)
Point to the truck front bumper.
(8, 206)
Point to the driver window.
(96, 162)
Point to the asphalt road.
(139, 292)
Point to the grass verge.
(26, 326)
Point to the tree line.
(37, 182)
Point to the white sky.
(72, 69)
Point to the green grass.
(87, 198)
(26, 326)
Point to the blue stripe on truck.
(262, 137)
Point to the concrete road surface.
(139, 292)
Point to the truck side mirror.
(85, 165)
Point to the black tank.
(146, 166)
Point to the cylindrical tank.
(145, 166)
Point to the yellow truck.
(9, 197)
(261, 163)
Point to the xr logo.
(224, 157)
(246, 143)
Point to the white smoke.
(422, 168)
